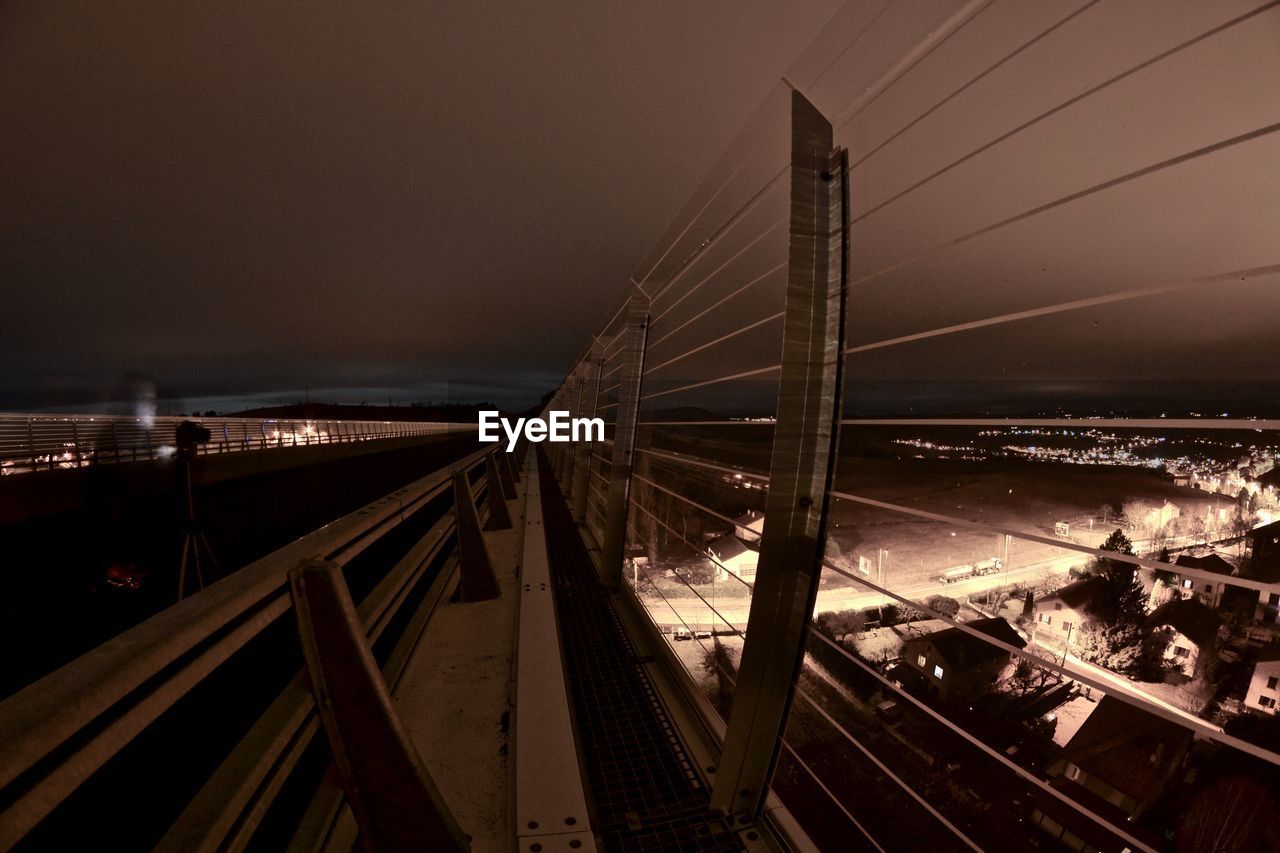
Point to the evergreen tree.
(1121, 600)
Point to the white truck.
(972, 570)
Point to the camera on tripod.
(188, 436)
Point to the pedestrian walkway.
(645, 793)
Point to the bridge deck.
(644, 789)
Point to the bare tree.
(1028, 676)
(1139, 514)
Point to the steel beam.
(801, 468)
(624, 439)
(391, 794)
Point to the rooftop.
(1188, 617)
(1127, 747)
(957, 646)
(1211, 562)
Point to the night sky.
(240, 201)
(250, 197)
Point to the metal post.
(564, 403)
(392, 796)
(499, 515)
(801, 468)
(475, 572)
(624, 439)
(586, 409)
(578, 393)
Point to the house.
(1208, 592)
(1159, 517)
(1184, 633)
(955, 664)
(749, 525)
(735, 557)
(1264, 549)
(1258, 612)
(1062, 614)
(1116, 765)
(1263, 694)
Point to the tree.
(838, 625)
(1120, 600)
(1139, 514)
(1243, 517)
(945, 605)
(1029, 676)
(1199, 530)
(1028, 605)
(1117, 648)
(718, 662)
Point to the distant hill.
(449, 413)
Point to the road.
(693, 612)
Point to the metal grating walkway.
(645, 793)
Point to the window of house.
(1181, 651)
(1187, 584)
(937, 672)
(1046, 618)
(1073, 773)
(1057, 605)
(920, 661)
(1266, 702)
(1272, 681)
(1066, 626)
(1273, 599)
(1208, 587)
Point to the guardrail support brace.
(506, 474)
(499, 515)
(475, 572)
(391, 794)
(801, 468)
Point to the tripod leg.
(208, 552)
(195, 552)
(182, 567)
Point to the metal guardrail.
(61, 730)
(32, 442)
